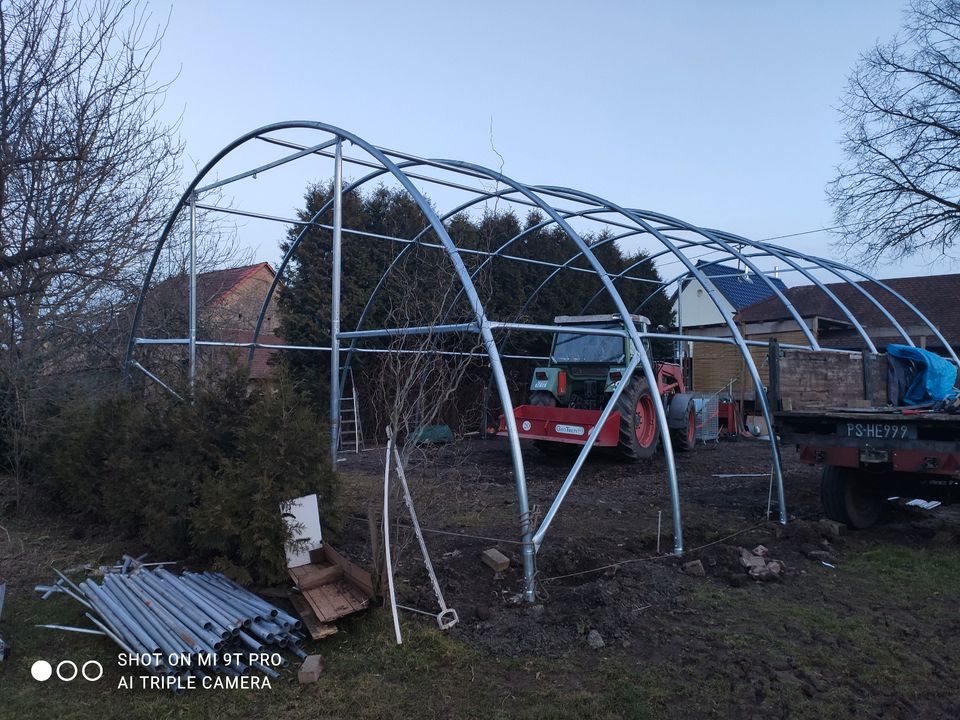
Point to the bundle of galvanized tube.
(184, 624)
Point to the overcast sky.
(720, 113)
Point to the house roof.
(741, 289)
(216, 284)
(934, 295)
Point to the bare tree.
(417, 384)
(898, 191)
(87, 169)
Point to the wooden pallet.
(317, 629)
(331, 585)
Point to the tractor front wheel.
(639, 431)
(541, 398)
(685, 438)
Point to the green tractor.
(568, 395)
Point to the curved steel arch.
(738, 338)
(459, 267)
(784, 254)
(735, 253)
(829, 293)
(660, 228)
(640, 352)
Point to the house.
(735, 289)
(721, 366)
(935, 296)
(697, 314)
(228, 303)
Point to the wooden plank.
(317, 629)
(354, 573)
(327, 606)
(319, 605)
(332, 586)
(354, 596)
(335, 600)
(338, 604)
(311, 576)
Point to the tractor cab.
(585, 368)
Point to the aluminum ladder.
(351, 432)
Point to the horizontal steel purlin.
(421, 330)
(325, 348)
(472, 328)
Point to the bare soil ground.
(871, 634)
(862, 625)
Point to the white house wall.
(697, 307)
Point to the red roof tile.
(213, 285)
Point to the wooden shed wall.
(715, 365)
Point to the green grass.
(365, 676)
(903, 575)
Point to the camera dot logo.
(67, 670)
(41, 670)
(95, 666)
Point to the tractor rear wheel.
(685, 438)
(845, 499)
(639, 431)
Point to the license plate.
(877, 431)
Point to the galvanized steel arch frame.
(544, 198)
(453, 254)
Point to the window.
(599, 349)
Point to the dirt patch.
(812, 631)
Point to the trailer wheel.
(639, 431)
(685, 438)
(845, 500)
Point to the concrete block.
(495, 559)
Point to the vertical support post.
(773, 386)
(335, 302)
(513, 438)
(192, 336)
(388, 558)
(680, 345)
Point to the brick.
(310, 669)
(495, 559)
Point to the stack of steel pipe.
(181, 623)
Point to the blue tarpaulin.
(934, 378)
